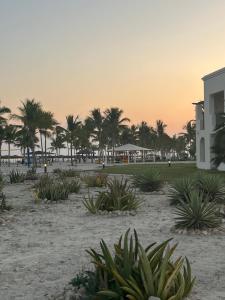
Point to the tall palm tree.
(190, 137)
(97, 121)
(73, 124)
(30, 112)
(3, 110)
(46, 125)
(114, 124)
(9, 138)
(162, 137)
(58, 140)
(24, 141)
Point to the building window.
(202, 150)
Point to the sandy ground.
(42, 245)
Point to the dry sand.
(42, 245)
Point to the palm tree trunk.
(9, 154)
(71, 153)
(42, 150)
(0, 153)
(28, 157)
(45, 147)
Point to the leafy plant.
(98, 180)
(31, 175)
(73, 186)
(133, 272)
(148, 181)
(16, 177)
(118, 196)
(88, 280)
(54, 191)
(197, 213)
(180, 190)
(3, 204)
(67, 173)
(212, 186)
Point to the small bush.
(54, 191)
(180, 190)
(87, 280)
(210, 186)
(197, 213)
(16, 177)
(68, 173)
(3, 204)
(98, 180)
(118, 196)
(134, 272)
(73, 185)
(1, 182)
(148, 181)
(57, 171)
(31, 175)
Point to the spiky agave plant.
(148, 181)
(16, 177)
(212, 186)
(180, 190)
(118, 196)
(197, 213)
(133, 272)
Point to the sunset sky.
(145, 56)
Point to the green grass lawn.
(169, 174)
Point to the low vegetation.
(96, 180)
(148, 181)
(73, 185)
(197, 212)
(137, 273)
(66, 172)
(209, 186)
(31, 175)
(16, 176)
(118, 196)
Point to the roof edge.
(214, 74)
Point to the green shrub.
(197, 213)
(118, 196)
(3, 204)
(57, 170)
(31, 175)
(137, 273)
(16, 177)
(87, 280)
(53, 191)
(68, 173)
(148, 181)
(98, 180)
(210, 186)
(1, 182)
(73, 185)
(180, 190)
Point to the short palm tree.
(30, 112)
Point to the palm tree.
(71, 133)
(46, 125)
(30, 112)
(162, 137)
(190, 137)
(3, 110)
(9, 138)
(114, 124)
(57, 142)
(97, 122)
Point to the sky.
(145, 56)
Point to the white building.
(208, 117)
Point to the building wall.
(214, 88)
